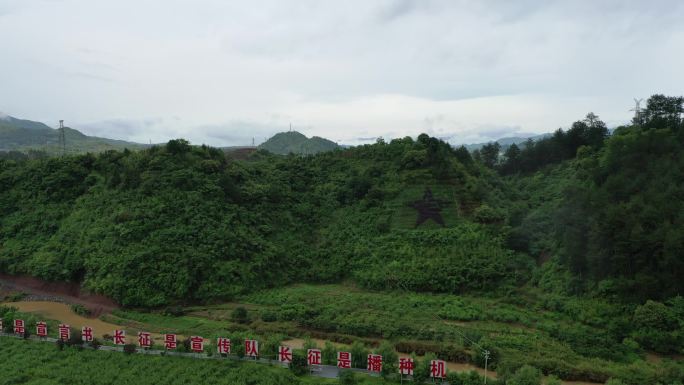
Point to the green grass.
(574, 338)
(570, 337)
(31, 362)
(186, 325)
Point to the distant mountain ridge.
(507, 141)
(297, 143)
(22, 135)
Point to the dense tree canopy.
(183, 223)
(178, 223)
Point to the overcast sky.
(224, 72)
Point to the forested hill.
(21, 136)
(294, 142)
(579, 212)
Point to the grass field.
(572, 338)
(37, 363)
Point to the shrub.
(347, 377)
(421, 371)
(526, 375)
(459, 312)
(238, 349)
(269, 316)
(487, 214)
(655, 324)
(299, 365)
(269, 347)
(81, 310)
(329, 354)
(309, 344)
(75, 338)
(174, 311)
(15, 297)
(239, 315)
(451, 352)
(389, 358)
(359, 355)
(95, 343)
(129, 349)
(466, 378)
(478, 357)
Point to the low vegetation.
(564, 255)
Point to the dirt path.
(62, 312)
(64, 292)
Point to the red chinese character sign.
(251, 348)
(19, 327)
(406, 366)
(313, 356)
(374, 363)
(170, 341)
(41, 329)
(437, 369)
(119, 337)
(223, 345)
(344, 360)
(285, 354)
(197, 344)
(144, 340)
(87, 334)
(64, 332)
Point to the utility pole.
(486, 356)
(62, 137)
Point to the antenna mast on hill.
(637, 110)
(62, 137)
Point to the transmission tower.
(637, 110)
(62, 137)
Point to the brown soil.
(62, 312)
(67, 292)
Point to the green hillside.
(24, 135)
(296, 143)
(566, 253)
(354, 214)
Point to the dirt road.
(65, 292)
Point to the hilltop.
(23, 135)
(296, 143)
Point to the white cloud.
(224, 72)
